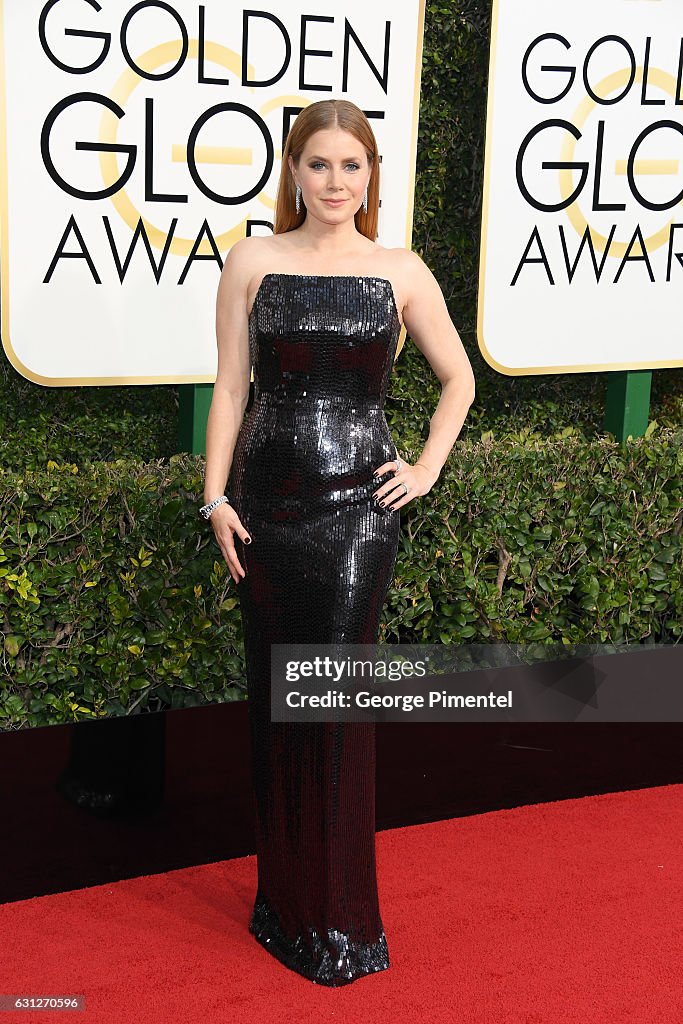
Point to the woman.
(310, 531)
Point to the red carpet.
(568, 912)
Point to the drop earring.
(365, 200)
(297, 199)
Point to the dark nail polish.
(382, 503)
(247, 540)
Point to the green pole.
(627, 407)
(193, 412)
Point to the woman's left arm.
(429, 324)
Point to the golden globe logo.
(149, 142)
(582, 238)
(160, 64)
(632, 81)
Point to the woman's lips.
(334, 202)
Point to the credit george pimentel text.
(399, 701)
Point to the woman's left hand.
(416, 480)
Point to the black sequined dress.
(317, 571)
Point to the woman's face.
(333, 173)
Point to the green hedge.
(114, 596)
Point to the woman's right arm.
(230, 396)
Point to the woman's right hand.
(226, 522)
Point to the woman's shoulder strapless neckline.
(326, 277)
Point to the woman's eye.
(314, 166)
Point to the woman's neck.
(332, 239)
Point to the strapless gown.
(317, 571)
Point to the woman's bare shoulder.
(253, 256)
(401, 256)
(246, 253)
(245, 265)
(403, 267)
(399, 259)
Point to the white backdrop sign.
(141, 140)
(582, 229)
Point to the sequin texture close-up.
(318, 569)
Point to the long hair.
(320, 116)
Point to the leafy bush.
(114, 596)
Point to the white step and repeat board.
(141, 140)
(582, 223)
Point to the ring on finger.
(405, 490)
(390, 500)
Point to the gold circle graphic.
(587, 105)
(109, 125)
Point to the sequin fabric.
(317, 571)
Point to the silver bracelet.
(206, 510)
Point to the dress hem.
(333, 962)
